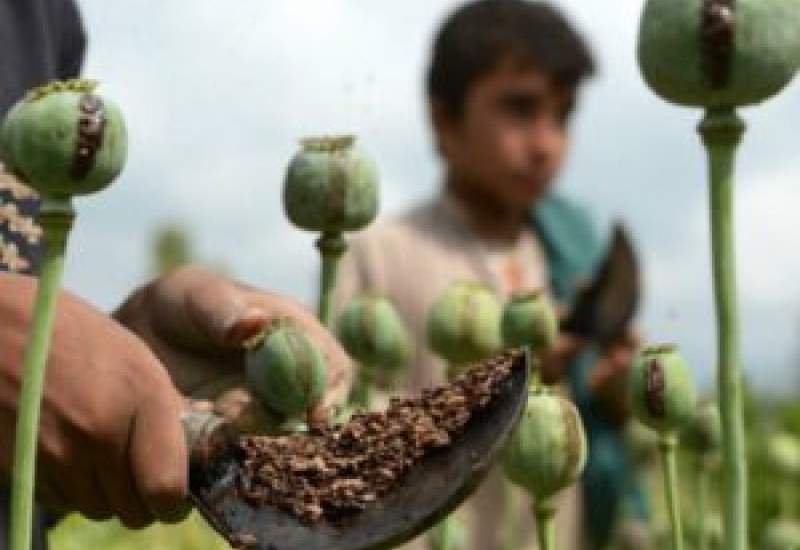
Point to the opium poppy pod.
(464, 323)
(719, 53)
(703, 432)
(64, 139)
(286, 369)
(781, 534)
(529, 319)
(547, 452)
(783, 453)
(373, 333)
(331, 186)
(661, 387)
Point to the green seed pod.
(662, 391)
(783, 452)
(703, 433)
(331, 186)
(65, 140)
(719, 53)
(373, 333)
(529, 319)
(286, 369)
(464, 323)
(547, 452)
(781, 534)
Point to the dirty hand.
(196, 322)
(110, 438)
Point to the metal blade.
(433, 488)
(603, 311)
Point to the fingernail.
(245, 326)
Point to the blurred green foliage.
(76, 533)
(171, 248)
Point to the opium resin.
(339, 470)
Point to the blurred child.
(502, 86)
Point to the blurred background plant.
(172, 247)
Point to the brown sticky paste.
(338, 470)
(91, 127)
(717, 38)
(655, 387)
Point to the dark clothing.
(40, 40)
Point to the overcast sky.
(217, 94)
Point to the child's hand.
(609, 378)
(196, 322)
(556, 361)
(110, 438)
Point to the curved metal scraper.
(603, 311)
(434, 487)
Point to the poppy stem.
(56, 218)
(721, 131)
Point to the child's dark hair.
(479, 35)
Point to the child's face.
(511, 137)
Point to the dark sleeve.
(71, 40)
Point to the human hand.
(110, 438)
(609, 378)
(555, 361)
(196, 323)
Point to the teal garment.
(610, 485)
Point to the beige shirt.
(411, 259)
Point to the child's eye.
(521, 106)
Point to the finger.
(68, 484)
(118, 487)
(84, 494)
(158, 455)
(244, 412)
(222, 315)
(204, 310)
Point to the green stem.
(361, 394)
(445, 534)
(666, 446)
(331, 246)
(722, 131)
(56, 220)
(535, 379)
(703, 473)
(509, 529)
(545, 514)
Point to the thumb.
(203, 310)
(222, 316)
